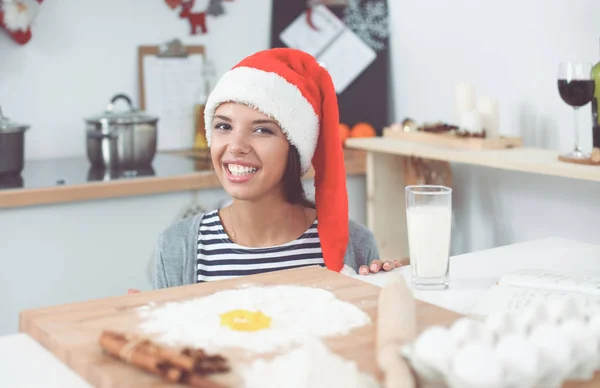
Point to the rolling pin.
(396, 325)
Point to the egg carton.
(543, 346)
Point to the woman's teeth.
(236, 169)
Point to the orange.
(363, 130)
(344, 132)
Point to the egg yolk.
(244, 320)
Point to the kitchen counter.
(72, 179)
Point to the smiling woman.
(268, 120)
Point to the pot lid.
(131, 116)
(9, 126)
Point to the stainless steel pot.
(121, 140)
(12, 146)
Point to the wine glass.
(576, 88)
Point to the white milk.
(429, 239)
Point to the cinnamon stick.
(186, 367)
(114, 344)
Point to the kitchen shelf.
(530, 160)
(386, 212)
(66, 180)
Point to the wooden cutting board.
(71, 331)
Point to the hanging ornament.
(215, 8)
(16, 17)
(197, 20)
(173, 4)
(370, 22)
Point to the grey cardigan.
(176, 252)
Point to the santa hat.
(291, 87)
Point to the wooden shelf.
(531, 160)
(386, 182)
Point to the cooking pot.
(121, 140)
(12, 146)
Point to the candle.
(464, 100)
(471, 122)
(488, 109)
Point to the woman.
(267, 120)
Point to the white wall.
(84, 52)
(510, 50)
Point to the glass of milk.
(428, 218)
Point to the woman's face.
(249, 152)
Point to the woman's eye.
(266, 131)
(223, 126)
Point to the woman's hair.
(292, 180)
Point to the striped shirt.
(220, 258)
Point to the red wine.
(576, 93)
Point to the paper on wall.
(346, 59)
(170, 85)
(301, 36)
(333, 44)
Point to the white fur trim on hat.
(275, 97)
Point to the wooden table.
(470, 276)
(386, 213)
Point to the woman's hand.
(377, 265)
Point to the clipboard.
(170, 76)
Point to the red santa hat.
(291, 87)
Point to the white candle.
(488, 110)
(464, 100)
(471, 122)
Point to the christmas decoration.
(215, 8)
(197, 20)
(16, 17)
(370, 22)
(173, 4)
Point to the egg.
(500, 324)
(560, 309)
(554, 351)
(476, 365)
(434, 349)
(583, 340)
(594, 326)
(466, 330)
(519, 359)
(529, 318)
